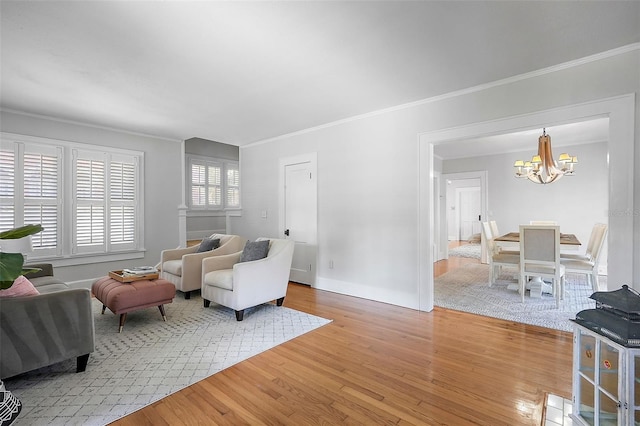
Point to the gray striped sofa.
(37, 331)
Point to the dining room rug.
(471, 251)
(151, 359)
(466, 289)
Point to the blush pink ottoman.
(121, 298)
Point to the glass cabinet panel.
(609, 369)
(587, 355)
(587, 410)
(636, 379)
(608, 412)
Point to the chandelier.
(543, 168)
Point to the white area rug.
(151, 359)
(467, 289)
(466, 250)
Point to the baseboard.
(392, 297)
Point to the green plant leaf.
(10, 266)
(20, 232)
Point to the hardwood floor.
(382, 364)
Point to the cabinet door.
(608, 384)
(586, 345)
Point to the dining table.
(511, 241)
(568, 240)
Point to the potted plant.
(12, 246)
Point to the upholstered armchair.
(183, 266)
(241, 285)
(43, 329)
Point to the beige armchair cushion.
(183, 266)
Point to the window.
(95, 214)
(214, 183)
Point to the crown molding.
(94, 126)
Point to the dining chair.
(598, 233)
(497, 259)
(589, 264)
(543, 222)
(540, 257)
(494, 228)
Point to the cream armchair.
(241, 285)
(183, 266)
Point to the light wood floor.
(382, 364)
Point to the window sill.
(87, 259)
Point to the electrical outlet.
(331, 264)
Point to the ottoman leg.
(104, 307)
(164, 316)
(123, 318)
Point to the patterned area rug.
(151, 359)
(467, 289)
(466, 250)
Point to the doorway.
(452, 223)
(621, 112)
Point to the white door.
(300, 218)
(470, 212)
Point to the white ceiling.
(240, 72)
(562, 136)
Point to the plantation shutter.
(206, 184)
(214, 182)
(42, 178)
(233, 185)
(122, 210)
(90, 181)
(7, 190)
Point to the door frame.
(312, 159)
(442, 243)
(621, 113)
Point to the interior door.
(300, 213)
(470, 212)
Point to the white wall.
(368, 174)
(163, 184)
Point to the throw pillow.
(208, 244)
(20, 287)
(254, 250)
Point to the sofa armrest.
(36, 331)
(176, 254)
(46, 270)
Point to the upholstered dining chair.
(183, 266)
(597, 237)
(497, 259)
(540, 257)
(588, 263)
(543, 222)
(238, 282)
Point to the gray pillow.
(254, 250)
(208, 244)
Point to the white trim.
(94, 126)
(549, 70)
(621, 112)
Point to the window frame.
(225, 165)
(66, 252)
